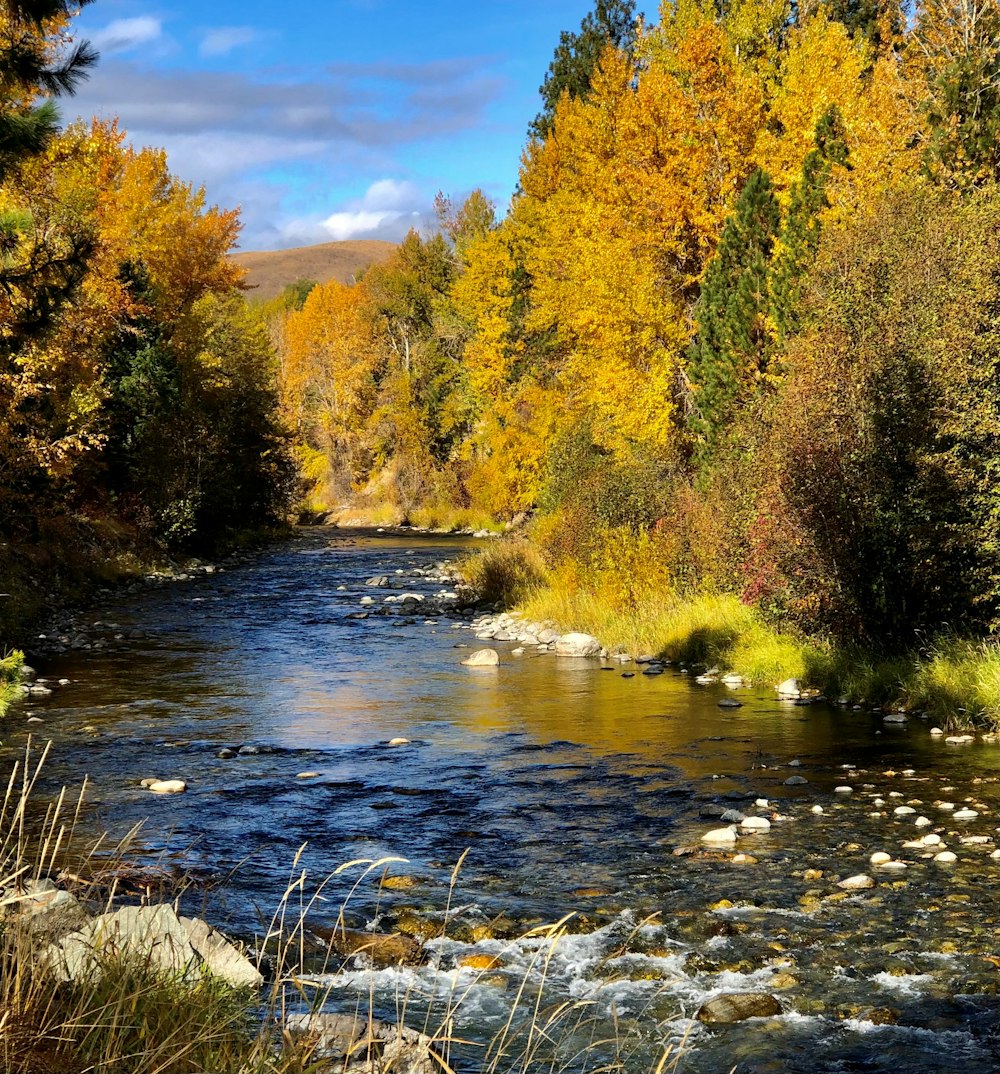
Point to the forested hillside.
(737, 333)
(138, 389)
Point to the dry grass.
(269, 272)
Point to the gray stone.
(482, 658)
(159, 939)
(574, 644)
(364, 1044)
(795, 781)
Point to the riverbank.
(955, 681)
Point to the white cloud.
(124, 34)
(223, 39)
(359, 224)
(389, 195)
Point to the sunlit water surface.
(570, 787)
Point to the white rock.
(756, 824)
(843, 790)
(789, 689)
(857, 883)
(904, 810)
(880, 858)
(922, 822)
(482, 658)
(817, 809)
(946, 856)
(762, 803)
(935, 731)
(894, 717)
(577, 645)
(168, 786)
(720, 835)
(894, 866)
(946, 806)
(965, 814)
(931, 840)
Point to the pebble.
(880, 858)
(965, 814)
(935, 731)
(756, 824)
(946, 856)
(307, 775)
(946, 805)
(762, 803)
(922, 822)
(904, 810)
(894, 866)
(744, 859)
(795, 781)
(843, 790)
(817, 809)
(399, 742)
(931, 840)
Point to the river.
(570, 787)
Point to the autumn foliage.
(736, 332)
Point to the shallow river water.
(571, 788)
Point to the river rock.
(379, 948)
(756, 824)
(946, 856)
(167, 786)
(482, 658)
(857, 883)
(50, 910)
(795, 781)
(359, 1043)
(789, 690)
(965, 814)
(159, 939)
(577, 645)
(730, 703)
(880, 857)
(733, 1007)
(720, 836)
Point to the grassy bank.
(954, 679)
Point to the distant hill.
(269, 272)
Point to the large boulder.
(733, 1007)
(157, 938)
(577, 645)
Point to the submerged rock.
(733, 1007)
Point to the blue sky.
(326, 120)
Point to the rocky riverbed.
(301, 699)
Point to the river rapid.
(573, 790)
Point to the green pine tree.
(36, 280)
(612, 22)
(800, 236)
(732, 345)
